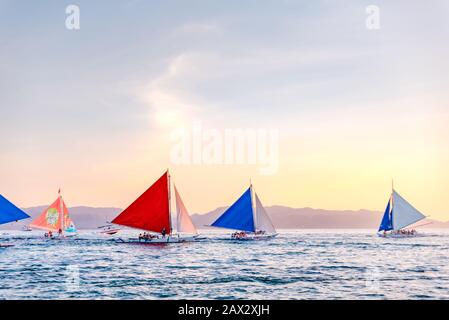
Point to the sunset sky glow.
(93, 111)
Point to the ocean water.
(300, 264)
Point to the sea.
(297, 264)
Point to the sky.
(94, 110)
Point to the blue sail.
(239, 216)
(9, 212)
(387, 220)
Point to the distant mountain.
(282, 217)
(308, 218)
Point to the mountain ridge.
(283, 217)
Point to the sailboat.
(248, 216)
(151, 212)
(10, 213)
(398, 215)
(56, 220)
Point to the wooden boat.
(399, 215)
(56, 219)
(248, 216)
(151, 212)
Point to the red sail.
(150, 211)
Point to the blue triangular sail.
(239, 216)
(387, 220)
(9, 212)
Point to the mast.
(169, 202)
(61, 208)
(392, 200)
(256, 223)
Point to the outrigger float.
(249, 217)
(399, 215)
(10, 213)
(151, 212)
(56, 221)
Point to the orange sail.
(51, 219)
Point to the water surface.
(332, 264)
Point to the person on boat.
(50, 234)
(164, 232)
(60, 232)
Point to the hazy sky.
(93, 110)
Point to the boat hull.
(62, 237)
(255, 237)
(110, 232)
(398, 236)
(161, 240)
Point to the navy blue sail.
(387, 220)
(239, 216)
(9, 212)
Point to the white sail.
(404, 214)
(183, 221)
(263, 221)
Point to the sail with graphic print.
(56, 219)
(399, 215)
(152, 212)
(249, 217)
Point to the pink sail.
(184, 222)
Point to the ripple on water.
(295, 265)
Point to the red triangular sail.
(150, 211)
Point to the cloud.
(197, 28)
(169, 106)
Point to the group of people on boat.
(406, 232)
(402, 232)
(239, 235)
(147, 236)
(243, 234)
(49, 234)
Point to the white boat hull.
(254, 237)
(391, 235)
(161, 240)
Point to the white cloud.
(197, 28)
(170, 107)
